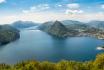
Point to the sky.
(50, 10)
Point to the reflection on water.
(41, 46)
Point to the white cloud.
(43, 6)
(68, 11)
(46, 16)
(73, 6)
(33, 8)
(37, 8)
(25, 11)
(7, 19)
(59, 5)
(2, 1)
(102, 6)
(101, 12)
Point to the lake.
(38, 45)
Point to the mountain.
(45, 26)
(58, 29)
(23, 24)
(78, 26)
(73, 29)
(8, 34)
(97, 24)
(69, 22)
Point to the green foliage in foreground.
(97, 64)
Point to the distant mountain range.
(65, 28)
(68, 23)
(23, 24)
(97, 24)
(71, 29)
(78, 24)
(58, 29)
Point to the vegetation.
(8, 34)
(58, 29)
(97, 64)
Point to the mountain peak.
(58, 29)
(56, 21)
(58, 24)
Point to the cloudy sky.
(47, 10)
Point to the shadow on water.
(59, 46)
(2, 46)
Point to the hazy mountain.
(97, 24)
(78, 26)
(23, 24)
(71, 29)
(45, 26)
(69, 22)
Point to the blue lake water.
(38, 45)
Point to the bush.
(97, 64)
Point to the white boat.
(100, 48)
